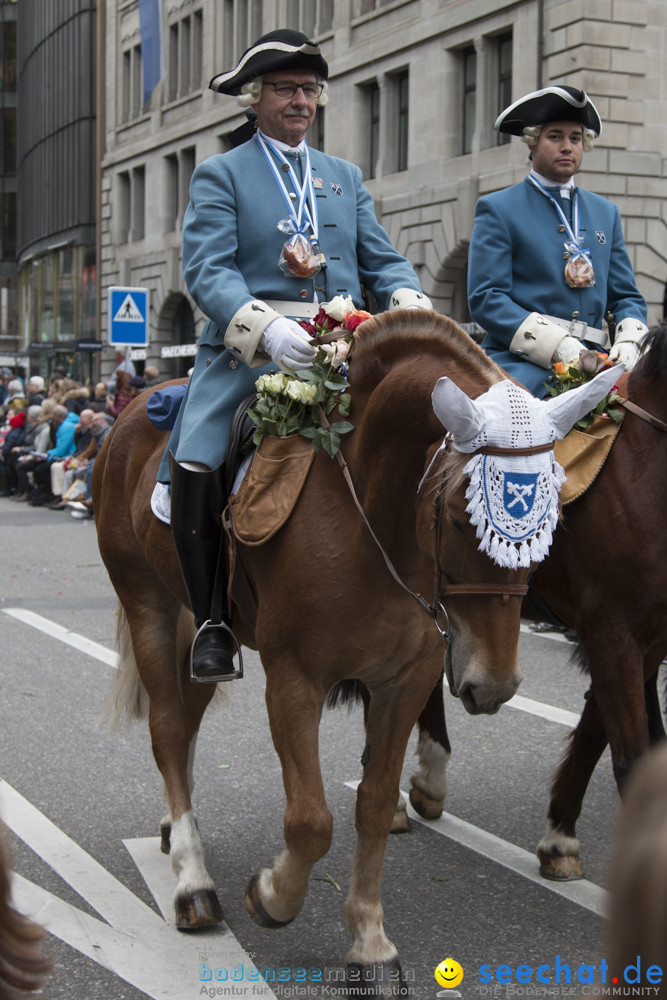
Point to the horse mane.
(389, 336)
(653, 361)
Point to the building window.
(132, 84)
(373, 102)
(469, 62)
(122, 208)
(504, 48)
(312, 17)
(8, 55)
(8, 225)
(138, 203)
(185, 55)
(241, 26)
(179, 168)
(8, 139)
(402, 88)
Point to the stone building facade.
(415, 86)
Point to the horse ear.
(456, 411)
(564, 410)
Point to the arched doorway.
(177, 336)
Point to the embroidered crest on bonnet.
(513, 499)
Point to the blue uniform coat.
(231, 249)
(516, 267)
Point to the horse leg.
(276, 895)
(175, 712)
(429, 783)
(373, 959)
(558, 851)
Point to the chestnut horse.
(605, 577)
(388, 642)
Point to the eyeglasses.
(283, 88)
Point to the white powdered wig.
(531, 134)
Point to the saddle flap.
(270, 488)
(582, 454)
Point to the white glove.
(288, 344)
(568, 350)
(627, 353)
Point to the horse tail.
(348, 692)
(128, 695)
(22, 964)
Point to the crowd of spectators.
(51, 431)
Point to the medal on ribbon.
(579, 271)
(301, 255)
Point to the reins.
(442, 588)
(644, 414)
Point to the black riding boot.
(196, 505)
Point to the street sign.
(128, 316)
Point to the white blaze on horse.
(459, 565)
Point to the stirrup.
(232, 675)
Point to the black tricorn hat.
(552, 104)
(281, 49)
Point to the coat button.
(303, 294)
(233, 364)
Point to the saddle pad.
(270, 488)
(582, 454)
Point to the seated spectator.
(99, 401)
(12, 439)
(26, 445)
(82, 462)
(45, 438)
(36, 393)
(16, 400)
(82, 438)
(65, 423)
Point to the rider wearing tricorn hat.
(547, 259)
(272, 229)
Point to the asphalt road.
(84, 806)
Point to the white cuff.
(630, 329)
(408, 298)
(536, 339)
(246, 329)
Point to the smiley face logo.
(449, 973)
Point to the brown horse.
(606, 577)
(23, 966)
(388, 641)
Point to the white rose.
(275, 383)
(336, 352)
(339, 307)
(301, 392)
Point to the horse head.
(500, 490)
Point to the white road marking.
(135, 943)
(94, 649)
(521, 862)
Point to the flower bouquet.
(301, 402)
(583, 369)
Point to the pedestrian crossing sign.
(128, 316)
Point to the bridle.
(436, 610)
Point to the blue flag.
(151, 48)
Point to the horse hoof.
(376, 982)
(255, 907)
(426, 807)
(566, 868)
(198, 909)
(400, 822)
(165, 838)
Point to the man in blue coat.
(272, 229)
(547, 260)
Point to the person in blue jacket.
(273, 229)
(547, 261)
